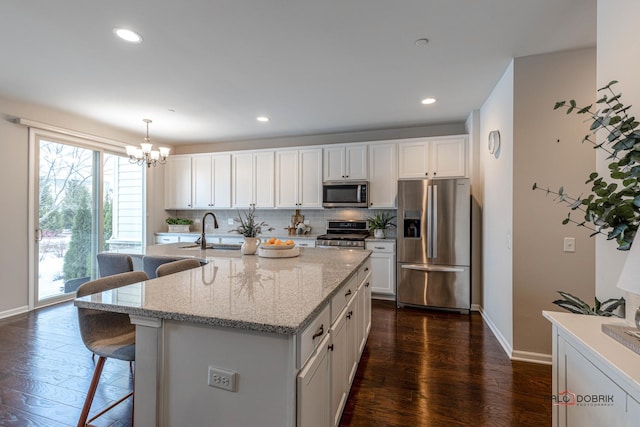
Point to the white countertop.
(278, 235)
(279, 295)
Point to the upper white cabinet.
(433, 157)
(253, 183)
(299, 178)
(211, 181)
(383, 175)
(177, 183)
(345, 162)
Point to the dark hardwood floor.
(427, 368)
(419, 368)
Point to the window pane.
(123, 198)
(66, 252)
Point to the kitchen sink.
(221, 246)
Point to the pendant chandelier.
(144, 154)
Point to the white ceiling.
(312, 66)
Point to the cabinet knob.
(347, 293)
(330, 347)
(426, 173)
(349, 314)
(366, 285)
(367, 268)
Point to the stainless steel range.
(344, 234)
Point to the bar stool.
(106, 334)
(150, 263)
(111, 263)
(177, 266)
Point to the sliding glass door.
(87, 201)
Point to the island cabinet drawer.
(364, 271)
(342, 298)
(313, 334)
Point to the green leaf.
(559, 104)
(574, 300)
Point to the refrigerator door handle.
(429, 228)
(430, 268)
(434, 227)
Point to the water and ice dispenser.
(412, 224)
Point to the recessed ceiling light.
(127, 35)
(428, 101)
(422, 42)
(262, 119)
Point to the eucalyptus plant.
(613, 207)
(249, 226)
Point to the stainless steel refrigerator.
(434, 251)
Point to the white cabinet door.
(383, 267)
(177, 183)
(334, 163)
(310, 178)
(448, 157)
(299, 178)
(353, 343)
(339, 373)
(264, 195)
(242, 180)
(314, 389)
(356, 162)
(585, 379)
(201, 183)
(221, 178)
(287, 172)
(383, 175)
(345, 162)
(442, 157)
(413, 159)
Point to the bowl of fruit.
(277, 244)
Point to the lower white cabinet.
(350, 325)
(595, 378)
(339, 367)
(383, 267)
(314, 388)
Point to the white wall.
(548, 150)
(497, 216)
(618, 59)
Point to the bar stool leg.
(91, 392)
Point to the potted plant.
(250, 228)
(379, 222)
(179, 225)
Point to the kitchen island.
(231, 342)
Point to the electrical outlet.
(230, 221)
(196, 221)
(221, 378)
(307, 222)
(569, 244)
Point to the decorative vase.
(250, 245)
(378, 233)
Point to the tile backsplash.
(279, 219)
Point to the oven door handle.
(430, 268)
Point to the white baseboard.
(496, 332)
(14, 311)
(526, 356)
(476, 307)
(522, 356)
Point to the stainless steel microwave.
(345, 194)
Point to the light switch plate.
(230, 221)
(569, 244)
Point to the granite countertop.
(278, 295)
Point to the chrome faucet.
(203, 240)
